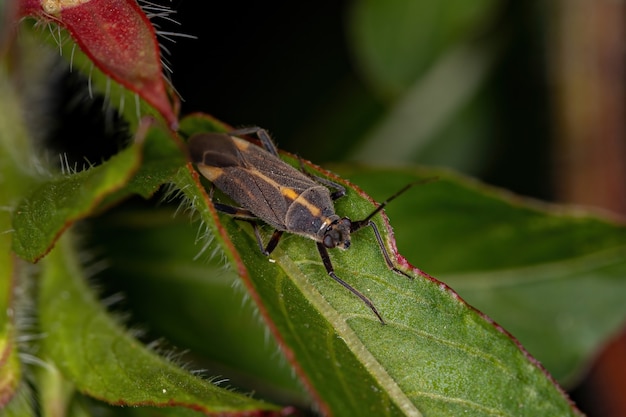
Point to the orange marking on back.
(211, 173)
(289, 193)
(241, 144)
(313, 209)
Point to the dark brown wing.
(274, 168)
(214, 150)
(255, 179)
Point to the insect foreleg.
(331, 271)
(359, 225)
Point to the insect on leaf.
(435, 356)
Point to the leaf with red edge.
(118, 38)
(436, 355)
(90, 349)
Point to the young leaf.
(93, 352)
(436, 355)
(55, 205)
(118, 38)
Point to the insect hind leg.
(264, 137)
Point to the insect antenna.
(359, 224)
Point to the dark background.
(288, 67)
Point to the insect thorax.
(311, 213)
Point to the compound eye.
(329, 242)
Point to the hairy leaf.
(435, 356)
(102, 360)
(58, 203)
(14, 179)
(117, 37)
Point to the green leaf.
(21, 405)
(10, 367)
(162, 157)
(435, 356)
(56, 204)
(14, 179)
(102, 360)
(166, 285)
(553, 276)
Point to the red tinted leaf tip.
(119, 39)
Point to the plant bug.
(270, 190)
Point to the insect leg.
(359, 224)
(331, 271)
(339, 192)
(244, 215)
(260, 133)
(383, 249)
(271, 245)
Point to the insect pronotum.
(272, 191)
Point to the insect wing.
(277, 171)
(214, 150)
(252, 177)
